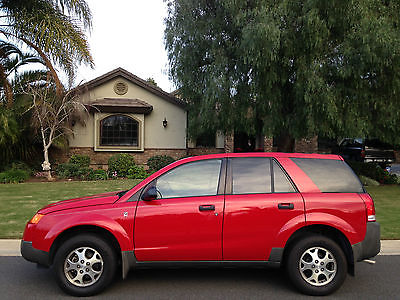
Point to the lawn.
(19, 202)
(387, 205)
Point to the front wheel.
(84, 265)
(316, 265)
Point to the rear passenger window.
(281, 182)
(330, 175)
(251, 175)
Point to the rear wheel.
(316, 265)
(84, 265)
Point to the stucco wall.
(155, 135)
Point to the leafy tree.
(11, 59)
(151, 81)
(51, 115)
(292, 68)
(53, 29)
(17, 139)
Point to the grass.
(387, 205)
(19, 202)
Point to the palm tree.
(54, 29)
(11, 59)
(17, 138)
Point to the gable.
(120, 75)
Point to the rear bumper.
(371, 245)
(34, 255)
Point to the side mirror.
(150, 194)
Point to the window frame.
(221, 185)
(287, 176)
(99, 117)
(351, 171)
(229, 190)
(229, 177)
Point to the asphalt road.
(20, 279)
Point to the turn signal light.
(36, 218)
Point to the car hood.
(105, 198)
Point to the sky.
(128, 34)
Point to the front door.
(184, 223)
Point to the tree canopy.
(54, 29)
(50, 33)
(301, 68)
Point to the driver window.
(198, 178)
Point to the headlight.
(36, 218)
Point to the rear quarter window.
(329, 175)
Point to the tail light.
(369, 207)
(363, 153)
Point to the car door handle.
(285, 206)
(206, 207)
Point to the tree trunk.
(46, 164)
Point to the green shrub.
(67, 170)
(82, 161)
(366, 181)
(158, 162)
(119, 164)
(100, 174)
(373, 171)
(19, 165)
(13, 176)
(137, 172)
(86, 174)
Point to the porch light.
(165, 122)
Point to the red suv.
(306, 212)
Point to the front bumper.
(34, 255)
(371, 245)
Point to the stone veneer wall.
(229, 143)
(99, 159)
(268, 143)
(306, 145)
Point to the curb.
(10, 247)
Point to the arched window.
(119, 130)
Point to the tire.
(316, 265)
(84, 265)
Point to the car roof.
(265, 154)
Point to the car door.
(184, 223)
(260, 202)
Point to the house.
(130, 115)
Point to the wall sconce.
(165, 122)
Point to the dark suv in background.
(366, 150)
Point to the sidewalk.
(12, 247)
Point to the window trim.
(230, 170)
(340, 160)
(220, 185)
(229, 177)
(296, 190)
(99, 117)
